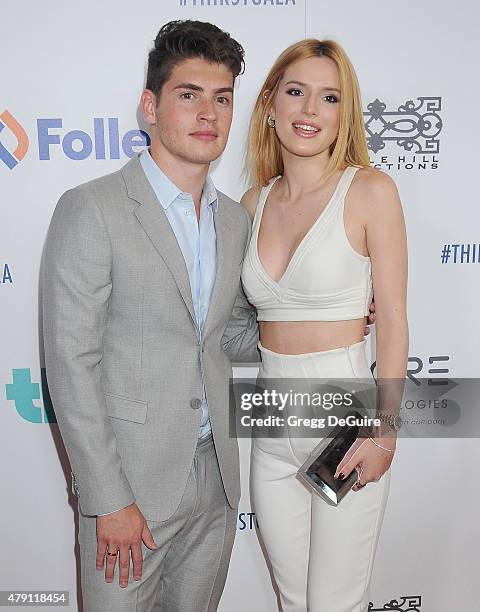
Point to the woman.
(327, 230)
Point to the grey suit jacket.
(123, 354)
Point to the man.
(142, 312)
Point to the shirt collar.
(166, 190)
(210, 193)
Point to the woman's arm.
(387, 247)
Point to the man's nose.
(208, 110)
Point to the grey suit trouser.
(187, 572)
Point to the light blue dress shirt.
(197, 241)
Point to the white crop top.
(325, 280)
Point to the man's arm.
(241, 335)
(76, 289)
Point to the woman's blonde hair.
(264, 159)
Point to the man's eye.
(187, 95)
(223, 100)
(295, 92)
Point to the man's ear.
(148, 104)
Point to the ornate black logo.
(405, 604)
(414, 127)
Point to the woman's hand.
(370, 461)
(371, 317)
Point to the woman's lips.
(305, 130)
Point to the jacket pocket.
(126, 409)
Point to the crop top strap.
(262, 198)
(346, 181)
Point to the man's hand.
(371, 317)
(123, 531)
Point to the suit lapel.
(154, 221)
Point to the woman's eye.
(331, 98)
(295, 92)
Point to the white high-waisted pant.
(322, 556)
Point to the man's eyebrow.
(188, 86)
(305, 85)
(194, 87)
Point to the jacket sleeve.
(241, 334)
(76, 286)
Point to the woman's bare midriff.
(297, 337)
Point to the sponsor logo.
(103, 141)
(416, 373)
(12, 158)
(23, 393)
(5, 275)
(193, 3)
(413, 127)
(246, 521)
(406, 603)
(460, 253)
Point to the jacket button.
(196, 403)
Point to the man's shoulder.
(105, 186)
(106, 192)
(226, 199)
(234, 208)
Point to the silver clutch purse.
(317, 473)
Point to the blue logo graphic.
(105, 142)
(22, 391)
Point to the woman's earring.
(270, 121)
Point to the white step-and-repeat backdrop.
(71, 77)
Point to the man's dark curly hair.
(186, 39)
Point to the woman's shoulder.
(251, 197)
(374, 191)
(372, 180)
